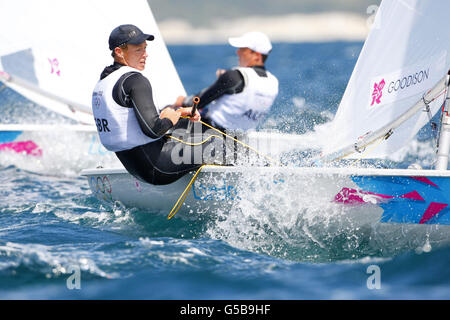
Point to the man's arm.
(229, 82)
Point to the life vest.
(117, 126)
(244, 110)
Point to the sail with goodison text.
(405, 54)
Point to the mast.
(444, 138)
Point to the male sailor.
(128, 122)
(242, 96)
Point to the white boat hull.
(417, 196)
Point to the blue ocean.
(57, 241)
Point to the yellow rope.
(194, 144)
(240, 142)
(183, 196)
(221, 137)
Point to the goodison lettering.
(408, 81)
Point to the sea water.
(57, 241)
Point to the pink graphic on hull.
(27, 147)
(352, 196)
(433, 209)
(5, 75)
(414, 195)
(425, 180)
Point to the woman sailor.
(127, 119)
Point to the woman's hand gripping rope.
(183, 196)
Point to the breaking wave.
(297, 220)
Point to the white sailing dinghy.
(399, 82)
(52, 53)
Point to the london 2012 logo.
(96, 98)
(54, 64)
(377, 92)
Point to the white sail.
(54, 51)
(406, 54)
